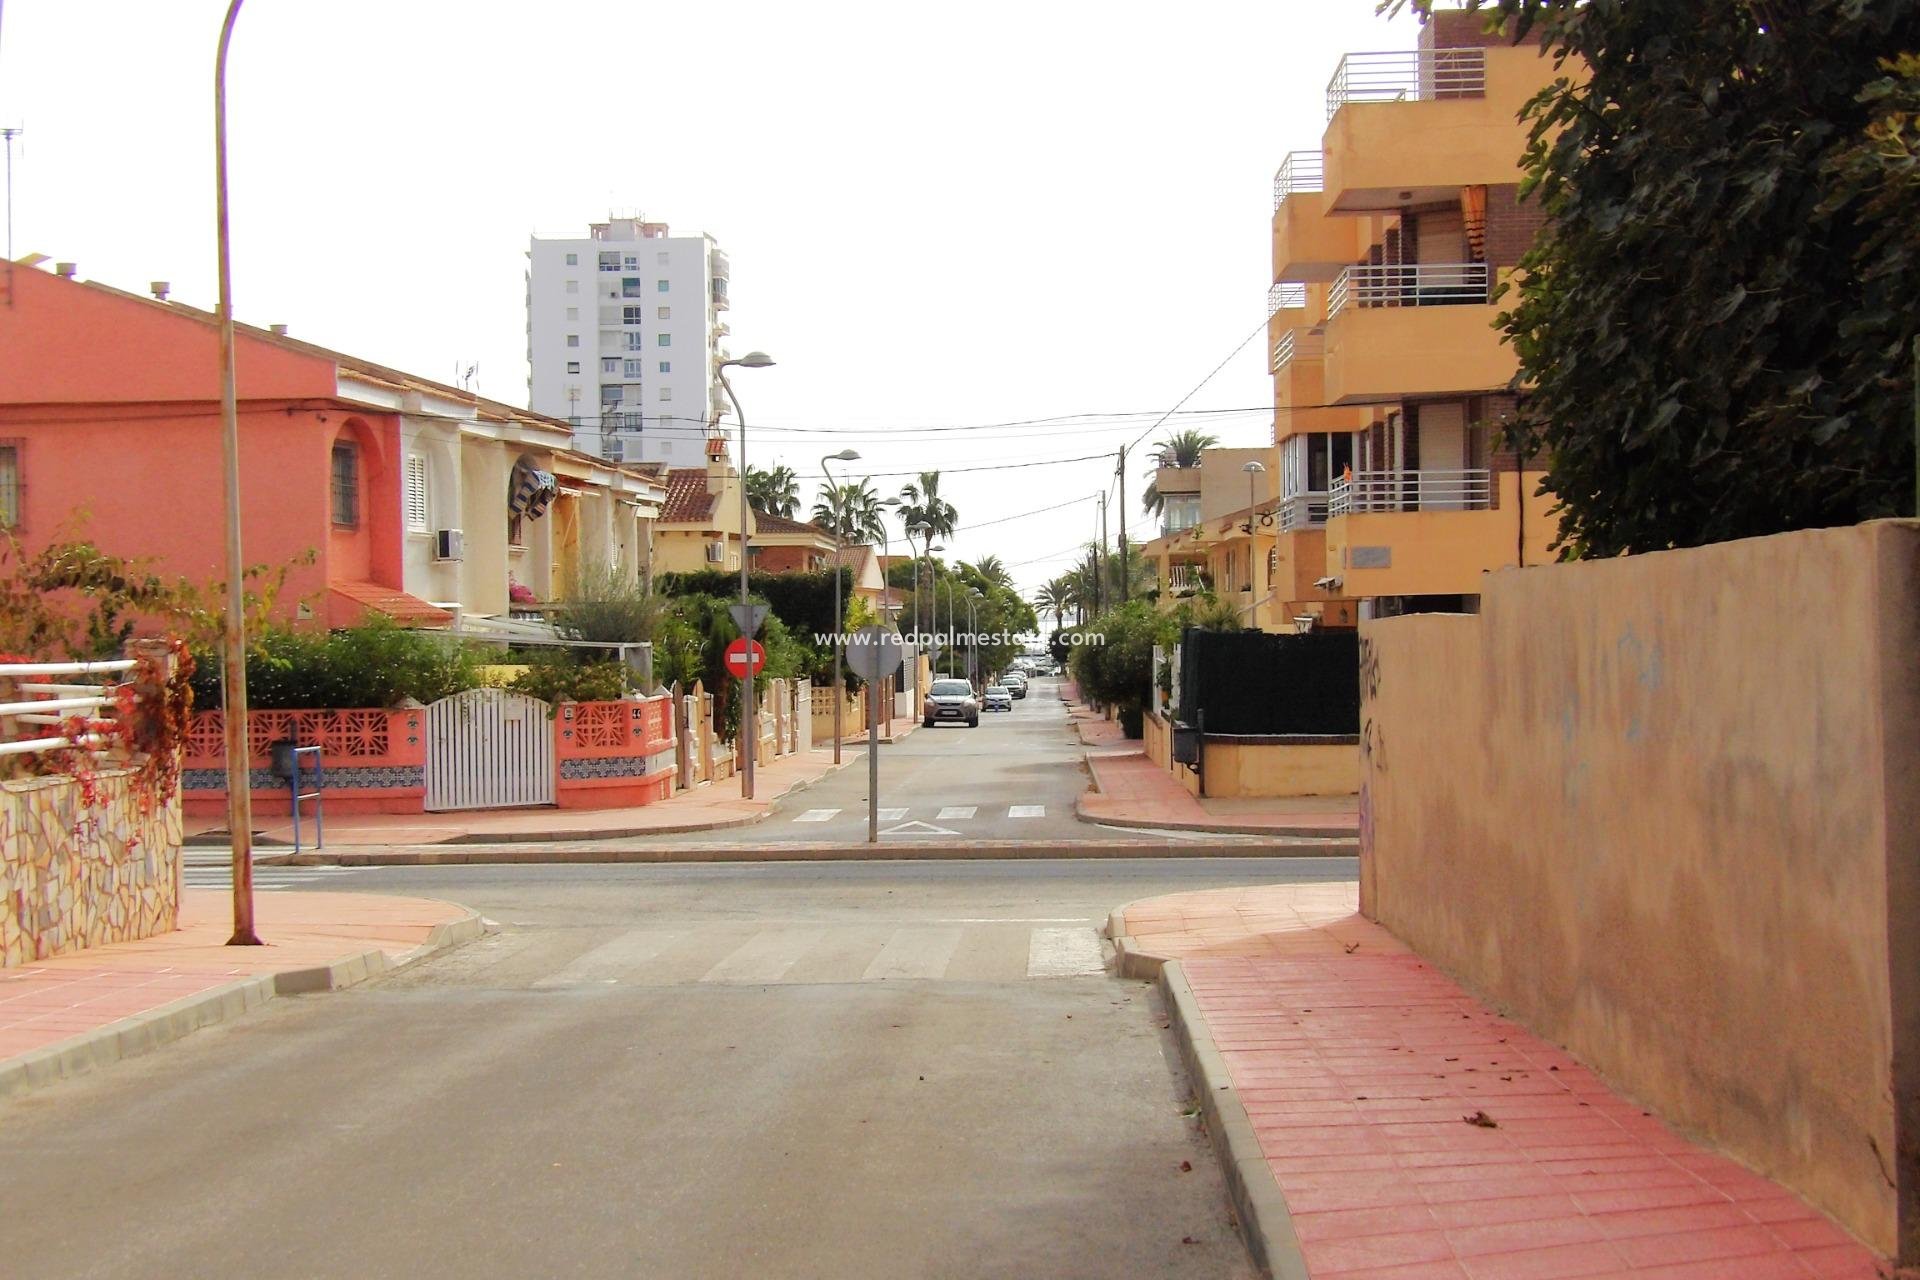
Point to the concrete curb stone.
(984, 850)
(140, 1033)
(1265, 1221)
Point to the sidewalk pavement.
(1131, 791)
(1376, 1121)
(708, 807)
(67, 1014)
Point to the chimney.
(65, 270)
(278, 330)
(159, 289)
(719, 465)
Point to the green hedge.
(804, 601)
(376, 664)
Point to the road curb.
(1339, 843)
(141, 1033)
(927, 851)
(1266, 1224)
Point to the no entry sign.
(736, 657)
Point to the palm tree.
(990, 569)
(853, 508)
(776, 491)
(1182, 451)
(921, 502)
(1055, 598)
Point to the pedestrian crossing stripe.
(892, 815)
(918, 828)
(1027, 811)
(817, 815)
(955, 813)
(949, 813)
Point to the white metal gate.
(488, 749)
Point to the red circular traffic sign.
(736, 658)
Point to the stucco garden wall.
(74, 876)
(1666, 810)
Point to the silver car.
(997, 698)
(950, 700)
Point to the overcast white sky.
(937, 215)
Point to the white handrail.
(11, 670)
(1301, 171)
(1413, 284)
(30, 745)
(1285, 295)
(1407, 75)
(1467, 489)
(41, 706)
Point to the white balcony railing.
(1410, 75)
(1424, 284)
(1303, 510)
(1184, 579)
(1365, 491)
(1283, 296)
(1301, 171)
(1295, 344)
(50, 703)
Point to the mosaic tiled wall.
(74, 876)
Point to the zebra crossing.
(821, 953)
(213, 869)
(947, 813)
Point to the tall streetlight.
(925, 531)
(933, 597)
(973, 625)
(233, 649)
(1254, 469)
(839, 615)
(749, 744)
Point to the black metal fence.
(1254, 682)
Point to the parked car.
(1016, 683)
(950, 700)
(997, 698)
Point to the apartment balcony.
(721, 265)
(1377, 491)
(1186, 579)
(1301, 173)
(1306, 510)
(1304, 344)
(1307, 244)
(1416, 126)
(720, 302)
(1413, 332)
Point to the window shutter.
(417, 493)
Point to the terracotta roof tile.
(688, 501)
(410, 611)
(767, 522)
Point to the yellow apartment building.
(1390, 380)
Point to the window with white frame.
(636, 342)
(573, 286)
(632, 369)
(573, 259)
(666, 366)
(416, 494)
(610, 364)
(573, 339)
(573, 313)
(664, 286)
(573, 366)
(666, 393)
(666, 340)
(633, 315)
(665, 313)
(663, 257)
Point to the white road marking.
(1027, 811)
(913, 953)
(892, 815)
(956, 813)
(765, 957)
(917, 828)
(817, 815)
(615, 959)
(1063, 953)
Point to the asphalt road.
(1015, 777)
(769, 1070)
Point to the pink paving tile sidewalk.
(1360, 1067)
(1130, 790)
(49, 1001)
(707, 807)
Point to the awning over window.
(530, 491)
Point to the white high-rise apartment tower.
(623, 330)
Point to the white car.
(997, 698)
(1016, 683)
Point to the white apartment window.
(666, 366)
(630, 286)
(611, 393)
(663, 257)
(666, 340)
(573, 259)
(633, 315)
(632, 369)
(636, 341)
(573, 366)
(573, 286)
(573, 313)
(663, 286)
(666, 446)
(610, 364)
(416, 494)
(573, 339)
(632, 262)
(573, 419)
(666, 393)
(666, 313)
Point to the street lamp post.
(233, 653)
(1254, 469)
(925, 531)
(839, 615)
(973, 625)
(933, 600)
(749, 745)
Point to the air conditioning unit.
(448, 544)
(716, 553)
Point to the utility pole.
(1100, 561)
(1125, 589)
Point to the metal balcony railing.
(1295, 343)
(1282, 296)
(1300, 171)
(1303, 510)
(1425, 284)
(1185, 578)
(1365, 491)
(1408, 75)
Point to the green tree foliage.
(1182, 449)
(376, 664)
(563, 675)
(775, 491)
(603, 603)
(693, 636)
(1716, 324)
(803, 601)
(920, 502)
(854, 508)
(1113, 662)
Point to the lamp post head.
(845, 455)
(751, 360)
(919, 526)
(1253, 468)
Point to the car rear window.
(951, 688)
